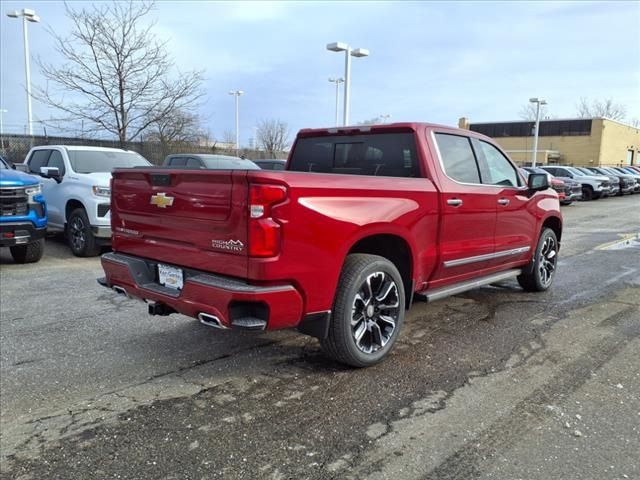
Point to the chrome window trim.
(487, 256)
(435, 143)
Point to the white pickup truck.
(76, 187)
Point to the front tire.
(587, 194)
(29, 253)
(368, 311)
(80, 236)
(545, 261)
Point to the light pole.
(2, 112)
(237, 93)
(348, 53)
(337, 81)
(538, 102)
(27, 15)
(384, 117)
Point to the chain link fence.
(14, 147)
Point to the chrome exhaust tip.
(210, 320)
(120, 290)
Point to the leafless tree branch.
(116, 74)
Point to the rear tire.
(80, 236)
(545, 261)
(29, 253)
(368, 311)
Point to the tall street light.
(348, 53)
(2, 112)
(337, 81)
(538, 102)
(27, 15)
(237, 93)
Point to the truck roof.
(398, 126)
(83, 147)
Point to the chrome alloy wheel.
(77, 230)
(547, 260)
(375, 312)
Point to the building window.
(629, 157)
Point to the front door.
(515, 231)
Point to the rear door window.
(38, 159)
(382, 154)
(458, 160)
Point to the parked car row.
(599, 182)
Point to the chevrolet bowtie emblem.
(161, 200)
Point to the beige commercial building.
(587, 142)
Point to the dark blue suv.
(23, 214)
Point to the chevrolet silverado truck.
(23, 214)
(362, 221)
(75, 183)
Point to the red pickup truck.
(336, 245)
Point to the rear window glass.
(385, 155)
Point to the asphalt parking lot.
(494, 383)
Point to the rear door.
(515, 230)
(468, 209)
(192, 218)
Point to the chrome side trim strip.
(488, 256)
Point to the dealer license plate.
(170, 276)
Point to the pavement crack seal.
(476, 422)
(25, 437)
(501, 434)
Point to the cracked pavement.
(491, 384)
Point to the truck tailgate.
(192, 218)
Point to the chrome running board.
(457, 288)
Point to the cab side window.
(177, 161)
(496, 169)
(56, 160)
(38, 159)
(458, 160)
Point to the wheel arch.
(555, 224)
(70, 206)
(395, 249)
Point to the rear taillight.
(264, 231)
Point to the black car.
(208, 162)
(271, 164)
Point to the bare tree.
(229, 137)
(601, 108)
(116, 75)
(528, 112)
(180, 128)
(273, 136)
(371, 121)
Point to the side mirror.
(51, 172)
(538, 181)
(21, 167)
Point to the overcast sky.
(429, 61)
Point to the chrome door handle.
(503, 201)
(454, 202)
